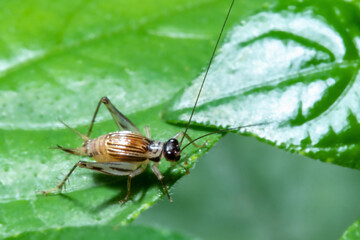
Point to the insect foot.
(50, 191)
(121, 202)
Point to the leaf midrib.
(274, 82)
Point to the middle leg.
(131, 176)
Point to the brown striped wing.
(127, 146)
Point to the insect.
(127, 152)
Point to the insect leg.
(179, 135)
(120, 120)
(111, 168)
(61, 185)
(147, 132)
(158, 174)
(179, 165)
(132, 175)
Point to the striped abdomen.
(119, 146)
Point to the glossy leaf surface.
(296, 67)
(353, 232)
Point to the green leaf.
(102, 232)
(90, 198)
(57, 59)
(353, 232)
(296, 67)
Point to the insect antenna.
(207, 70)
(224, 130)
(84, 137)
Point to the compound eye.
(170, 154)
(172, 150)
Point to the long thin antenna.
(225, 130)
(207, 70)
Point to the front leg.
(179, 136)
(158, 174)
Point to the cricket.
(127, 152)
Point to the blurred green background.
(245, 189)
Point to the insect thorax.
(155, 150)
